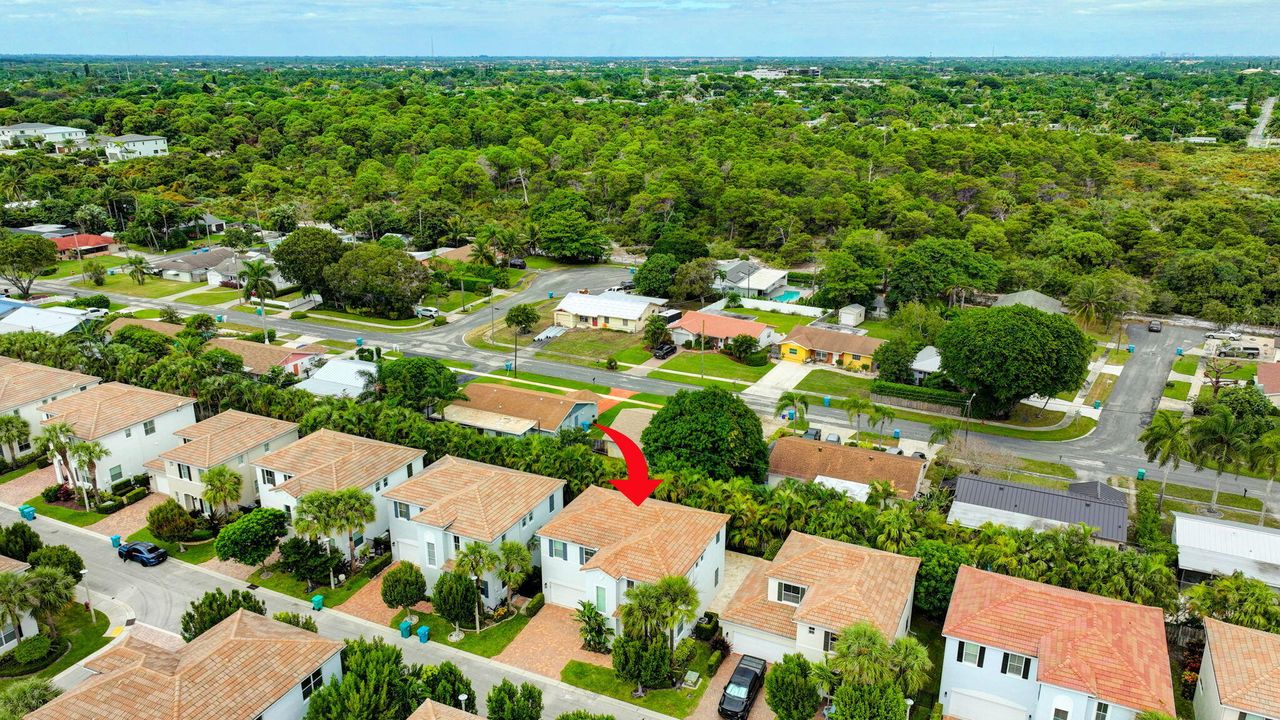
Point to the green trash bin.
(317, 602)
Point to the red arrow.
(638, 486)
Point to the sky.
(732, 28)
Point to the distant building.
(1212, 547)
(608, 311)
(927, 362)
(1199, 140)
(128, 147)
(631, 422)
(980, 500)
(45, 230)
(1239, 673)
(339, 378)
(54, 320)
(27, 387)
(21, 134)
(717, 330)
(850, 470)
(748, 279)
(510, 411)
(1031, 298)
(823, 346)
(71, 247)
(852, 315)
(193, 266)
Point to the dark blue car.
(144, 553)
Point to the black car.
(662, 352)
(813, 434)
(744, 685)
(518, 264)
(1155, 326)
(143, 553)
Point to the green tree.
(222, 486)
(455, 598)
(421, 383)
(879, 701)
(13, 432)
(655, 275)
(85, 455)
(678, 601)
(794, 401)
(303, 256)
(169, 522)
(708, 431)
(642, 614)
(95, 272)
(1222, 440)
(137, 266)
(375, 683)
(515, 562)
(214, 607)
(16, 598)
(19, 541)
(1238, 600)
(474, 561)
(1264, 456)
(740, 347)
(256, 282)
(507, 702)
(54, 441)
(298, 620)
(57, 556)
(583, 715)
(791, 689)
(445, 684)
(592, 626)
(1166, 441)
(568, 236)
(51, 589)
(403, 586)
(378, 280)
(939, 563)
(894, 359)
(656, 332)
(253, 537)
(23, 256)
(521, 319)
(930, 267)
(326, 512)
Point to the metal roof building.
(1213, 546)
(981, 500)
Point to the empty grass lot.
(880, 329)
(68, 268)
(714, 364)
(486, 643)
(1203, 495)
(598, 345)
(782, 322)
(830, 382)
(152, 288)
(213, 297)
(1101, 388)
(1186, 365)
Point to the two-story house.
(328, 460)
(133, 424)
(27, 387)
(26, 626)
(1022, 650)
(232, 439)
(602, 544)
(247, 667)
(454, 502)
(1239, 674)
(514, 412)
(812, 590)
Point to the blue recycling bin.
(115, 541)
(633, 270)
(507, 366)
(257, 311)
(791, 414)
(551, 294)
(1130, 347)
(406, 628)
(219, 318)
(897, 434)
(28, 512)
(826, 401)
(424, 633)
(1097, 404)
(359, 342)
(1178, 352)
(1142, 473)
(317, 602)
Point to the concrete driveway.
(782, 377)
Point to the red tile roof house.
(1239, 674)
(1022, 650)
(1268, 380)
(77, 246)
(718, 329)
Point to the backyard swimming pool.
(788, 296)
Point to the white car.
(426, 311)
(1223, 335)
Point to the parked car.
(1155, 326)
(628, 286)
(1223, 335)
(615, 288)
(662, 352)
(833, 438)
(426, 311)
(813, 434)
(518, 264)
(1252, 352)
(143, 553)
(744, 685)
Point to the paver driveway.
(548, 643)
(706, 709)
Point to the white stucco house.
(132, 145)
(1022, 650)
(246, 667)
(328, 460)
(608, 310)
(601, 545)
(812, 590)
(30, 132)
(1238, 674)
(502, 410)
(133, 424)
(26, 387)
(26, 626)
(749, 279)
(232, 439)
(454, 502)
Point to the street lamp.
(910, 702)
(88, 599)
(462, 700)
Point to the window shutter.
(960, 651)
(1004, 664)
(1026, 668)
(982, 655)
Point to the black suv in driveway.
(662, 352)
(744, 685)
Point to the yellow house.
(821, 346)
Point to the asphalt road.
(1257, 136)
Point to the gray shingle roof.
(1030, 298)
(1106, 510)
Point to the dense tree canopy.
(710, 431)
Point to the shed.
(852, 315)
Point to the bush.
(11, 667)
(32, 649)
(298, 620)
(18, 541)
(708, 626)
(308, 560)
(713, 662)
(922, 394)
(534, 605)
(91, 301)
(611, 364)
(377, 565)
(440, 321)
(53, 493)
(686, 651)
(721, 645)
(59, 556)
(298, 315)
(108, 507)
(404, 586)
(135, 495)
(760, 358)
(169, 522)
(200, 535)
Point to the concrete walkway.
(782, 377)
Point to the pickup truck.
(744, 685)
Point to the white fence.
(771, 306)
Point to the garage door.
(970, 705)
(745, 642)
(562, 595)
(406, 550)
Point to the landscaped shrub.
(18, 541)
(298, 315)
(32, 649)
(308, 560)
(91, 301)
(721, 645)
(169, 522)
(200, 535)
(440, 321)
(377, 565)
(915, 392)
(759, 358)
(611, 364)
(686, 651)
(713, 662)
(11, 667)
(708, 626)
(135, 495)
(108, 507)
(53, 493)
(298, 620)
(59, 556)
(534, 605)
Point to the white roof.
(608, 304)
(927, 360)
(1221, 547)
(338, 378)
(56, 321)
(487, 420)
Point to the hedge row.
(916, 392)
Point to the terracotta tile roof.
(833, 341)
(1246, 666)
(234, 671)
(163, 328)
(8, 564)
(23, 382)
(473, 499)
(225, 435)
(1111, 649)
(71, 242)
(804, 459)
(547, 409)
(718, 326)
(844, 584)
(645, 543)
(104, 409)
(259, 358)
(1268, 377)
(328, 460)
(432, 710)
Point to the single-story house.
(193, 266)
(748, 279)
(1239, 673)
(432, 710)
(48, 231)
(1268, 381)
(1031, 298)
(339, 378)
(811, 591)
(25, 388)
(53, 320)
(228, 271)
(823, 346)
(631, 422)
(848, 469)
(608, 310)
(1211, 547)
(927, 362)
(718, 329)
(76, 246)
(510, 411)
(852, 315)
(258, 357)
(980, 500)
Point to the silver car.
(1223, 335)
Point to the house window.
(717, 579)
(11, 633)
(24, 446)
(1061, 714)
(717, 537)
(408, 469)
(484, 588)
(184, 471)
(585, 555)
(829, 640)
(457, 544)
(269, 477)
(288, 511)
(792, 351)
(551, 503)
(790, 594)
(1100, 713)
(128, 433)
(599, 598)
(311, 682)
(971, 653)
(149, 427)
(631, 584)
(1020, 666)
(266, 447)
(358, 538)
(559, 550)
(240, 459)
(527, 519)
(431, 554)
(401, 510)
(116, 473)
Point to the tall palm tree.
(514, 565)
(879, 415)
(474, 561)
(255, 280)
(13, 432)
(642, 612)
(859, 655)
(222, 486)
(1221, 438)
(353, 509)
(315, 518)
(49, 589)
(483, 250)
(55, 439)
(17, 597)
(137, 268)
(854, 407)
(1090, 301)
(910, 663)
(455, 231)
(1265, 456)
(1167, 441)
(85, 456)
(797, 402)
(941, 432)
(678, 599)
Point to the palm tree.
(13, 432)
(137, 268)
(797, 402)
(85, 456)
(1090, 301)
(455, 231)
(678, 599)
(482, 248)
(1265, 456)
(353, 509)
(314, 518)
(521, 319)
(255, 280)
(879, 415)
(910, 663)
(1166, 441)
(56, 439)
(854, 407)
(880, 493)
(17, 597)
(514, 565)
(941, 432)
(49, 590)
(1221, 438)
(859, 655)
(222, 486)
(641, 614)
(474, 561)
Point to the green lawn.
(1186, 365)
(452, 300)
(338, 344)
(596, 344)
(79, 518)
(1177, 389)
(253, 310)
(782, 322)
(676, 702)
(455, 364)
(338, 315)
(112, 306)
(1032, 416)
(1045, 467)
(1119, 356)
(213, 297)
(1203, 495)
(830, 382)
(195, 554)
(730, 385)
(879, 329)
(86, 635)
(153, 287)
(501, 340)
(487, 643)
(714, 364)
(67, 268)
(1101, 388)
(559, 382)
(283, 582)
(537, 262)
(16, 473)
(147, 313)
(1246, 371)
